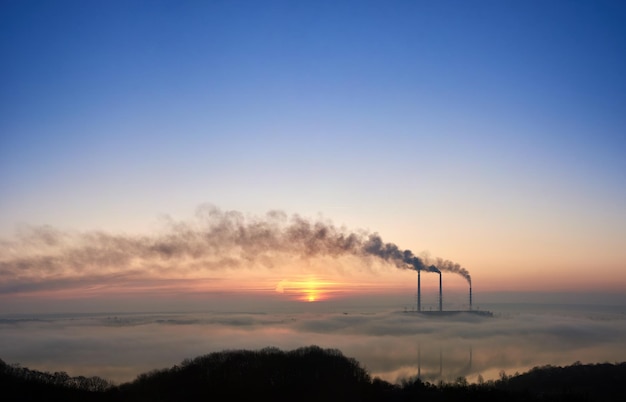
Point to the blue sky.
(492, 133)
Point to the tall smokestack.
(470, 306)
(419, 290)
(440, 294)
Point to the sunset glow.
(310, 289)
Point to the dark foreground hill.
(308, 374)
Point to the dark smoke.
(449, 266)
(215, 240)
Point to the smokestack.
(440, 294)
(419, 290)
(470, 306)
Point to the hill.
(307, 374)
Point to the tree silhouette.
(308, 374)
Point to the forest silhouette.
(308, 374)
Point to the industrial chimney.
(470, 304)
(440, 294)
(419, 290)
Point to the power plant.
(434, 269)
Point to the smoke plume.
(449, 266)
(215, 240)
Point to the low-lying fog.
(391, 345)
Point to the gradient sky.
(489, 133)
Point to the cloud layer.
(392, 345)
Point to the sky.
(490, 134)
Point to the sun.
(309, 289)
(311, 295)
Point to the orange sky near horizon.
(307, 284)
(276, 257)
